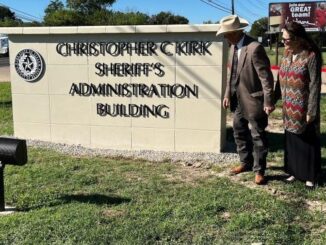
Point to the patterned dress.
(299, 83)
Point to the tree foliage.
(96, 12)
(6, 13)
(64, 18)
(89, 6)
(31, 24)
(129, 18)
(8, 18)
(259, 27)
(7, 22)
(54, 5)
(210, 22)
(168, 18)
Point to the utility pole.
(232, 2)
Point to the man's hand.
(268, 109)
(309, 119)
(226, 103)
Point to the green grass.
(272, 54)
(76, 200)
(6, 125)
(66, 199)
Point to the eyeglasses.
(286, 40)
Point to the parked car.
(4, 46)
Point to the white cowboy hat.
(231, 23)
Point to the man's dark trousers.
(252, 145)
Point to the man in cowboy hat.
(249, 94)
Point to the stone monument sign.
(119, 87)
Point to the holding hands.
(269, 109)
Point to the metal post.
(232, 2)
(276, 60)
(2, 188)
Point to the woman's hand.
(269, 109)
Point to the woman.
(299, 84)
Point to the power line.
(218, 5)
(246, 9)
(214, 6)
(258, 5)
(24, 18)
(21, 14)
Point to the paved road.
(4, 69)
(4, 61)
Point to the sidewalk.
(4, 74)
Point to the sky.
(196, 11)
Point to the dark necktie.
(234, 69)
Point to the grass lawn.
(66, 199)
(6, 125)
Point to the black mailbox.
(12, 151)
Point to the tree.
(259, 27)
(167, 18)
(32, 24)
(55, 5)
(210, 22)
(99, 17)
(137, 18)
(8, 18)
(6, 22)
(95, 12)
(89, 6)
(129, 18)
(6, 13)
(64, 18)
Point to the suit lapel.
(242, 56)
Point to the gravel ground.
(153, 156)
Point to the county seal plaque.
(29, 65)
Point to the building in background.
(312, 15)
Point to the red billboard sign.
(312, 15)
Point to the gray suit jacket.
(254, 80)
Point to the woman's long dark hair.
(296, 30)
